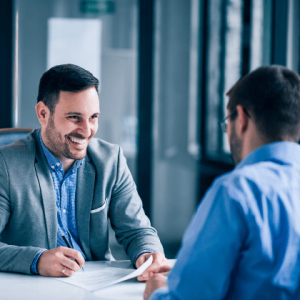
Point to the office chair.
(10, 135)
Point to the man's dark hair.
(272, 96)
(67, 78)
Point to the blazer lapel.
(84, 198)
(48, 195)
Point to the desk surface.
(31, 287)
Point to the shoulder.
(263, 181)
(265, 176)
(104, 153)
(108, 159)
(102, 148)
(21, 149)
(19, 157)
(240, 181)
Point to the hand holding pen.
(60, 262)
(69, 246)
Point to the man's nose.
(85, 128)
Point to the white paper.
(96, 280)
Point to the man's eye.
(73, 117)
(95, 117)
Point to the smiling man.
(59, 187)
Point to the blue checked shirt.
(65, 190)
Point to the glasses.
(224, 123)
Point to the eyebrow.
(79, 114)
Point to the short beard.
(59, 146)
(235, 146)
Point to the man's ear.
(42, 112)
(242, 121)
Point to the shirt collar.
(54, 163)
(282, 152)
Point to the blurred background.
(164, 67)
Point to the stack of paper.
(94, 280)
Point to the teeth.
(77, 141)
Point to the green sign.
(97, 7)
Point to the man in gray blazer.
(58, 187)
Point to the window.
(238, 41)
(100, 36)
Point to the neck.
(67, 163)
(253, 141)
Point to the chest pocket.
(100, 208)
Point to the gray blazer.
(105, 189)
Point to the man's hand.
(155, 282)
(158, 260)
(57, 262)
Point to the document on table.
(96, 280)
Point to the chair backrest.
(10, 135)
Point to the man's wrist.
(33, 267)
(159, 292)
(140, 253)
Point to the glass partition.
(239, 40)
(100, 36)
(176, 123)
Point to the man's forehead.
(85, 102)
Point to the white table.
(32, 287)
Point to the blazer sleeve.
(12, 258)
(132, 227)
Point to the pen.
(68, 245)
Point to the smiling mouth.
(76, 141)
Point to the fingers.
(69, 263)
(152, 284)
(159, 260)
(150, 272)
(162, 269)
(141, 259)
(74, 254)
(141, 278)
(66, 272)
(59, 262)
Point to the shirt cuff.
(141, 252)
(161, 294)
(33, 268)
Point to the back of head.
(272, 96)
(67, 78)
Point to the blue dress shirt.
(244, 240)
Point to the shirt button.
(64, 211)
(58, 164)
(52, 167)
